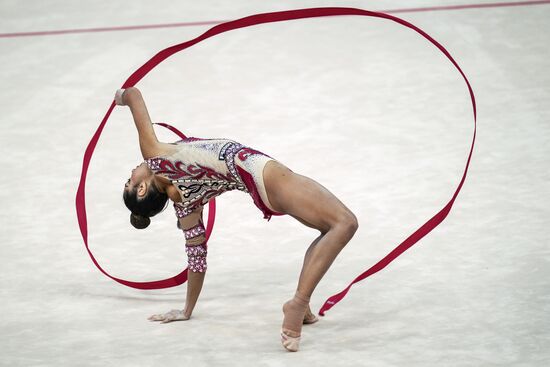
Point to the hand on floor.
(174, 315)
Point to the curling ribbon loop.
(247, 22)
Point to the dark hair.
(144, 208)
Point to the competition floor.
(364, 106)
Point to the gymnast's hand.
(174, 315)
(121, 95)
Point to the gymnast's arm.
(195, 272)
(148, 142)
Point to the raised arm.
(148, 142)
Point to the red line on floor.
(109, 29)
(212, 22)
(467, 6)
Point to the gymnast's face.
(140, 179)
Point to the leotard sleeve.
(190, 221)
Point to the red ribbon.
(247, 22)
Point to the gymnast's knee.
(347, 224)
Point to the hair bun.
(139, 221)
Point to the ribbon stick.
(247, 22)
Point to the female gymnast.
(191, 171)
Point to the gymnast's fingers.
(169, 317)
(156, 317)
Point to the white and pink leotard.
(205, 168)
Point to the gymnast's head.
(143, 196)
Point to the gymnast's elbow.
(196, 254)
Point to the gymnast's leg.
(309, 317)
(315, 206)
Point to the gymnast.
(191, 171)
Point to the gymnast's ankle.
(294, 311)
(301, 298)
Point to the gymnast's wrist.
(130, 95)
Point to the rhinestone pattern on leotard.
(183, 211)
(196, 258)
(228, 153)
(195, 231)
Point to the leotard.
(204, 168)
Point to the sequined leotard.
(205, 168)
